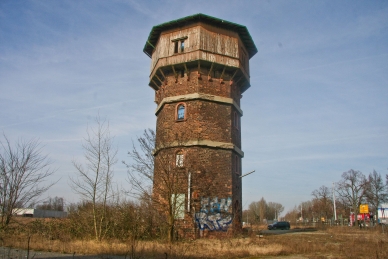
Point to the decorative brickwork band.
(203, 143)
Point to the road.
(279, 231)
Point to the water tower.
(199, 71)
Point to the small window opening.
(182, 46)
(179, 44)
(179, 159)
(181, 112)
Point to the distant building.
(36, 213)
(382, 211)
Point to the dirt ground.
(9, 253)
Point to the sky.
(317, 105)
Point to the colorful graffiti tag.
(214, 214)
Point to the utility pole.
(335, 211)
(301, 211)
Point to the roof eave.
(240, 29)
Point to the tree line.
(353, 189)
(346, 195)
(262, 211)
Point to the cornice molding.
(202, 143)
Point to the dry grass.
(203, 248)
(336, 242)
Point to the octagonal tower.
(199, 70)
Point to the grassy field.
(333, 242)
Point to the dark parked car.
(279, 225)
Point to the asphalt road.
(279, 231)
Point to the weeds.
(333, 242)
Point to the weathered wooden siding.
(218, 43)
(203, 42)
(165, 46)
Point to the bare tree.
(273, 210)
(94, 181)
(293, 215)
(306, 210)
(253, 212)
(375, 191)
(323, 203)
(164, 189)
(257, 211)
(23, 171)
(262, 209)
(351, 189)
(141, 169)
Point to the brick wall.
(211, 169)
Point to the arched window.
(179, 159)
(181, 112)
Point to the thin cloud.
(318, 99)
(63, 140)
(316, 157)
(317, 67)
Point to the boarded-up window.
(178, 205)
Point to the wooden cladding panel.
(217, 45)
(165, 45)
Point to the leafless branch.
(23, 172)
(93, 182)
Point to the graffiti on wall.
(215, 214)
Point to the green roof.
(240, 29)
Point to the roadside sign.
(363, 216)
(364, 208)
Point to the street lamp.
(247, 174)
(242, 177)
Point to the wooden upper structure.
(200, 41)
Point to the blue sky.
(317, 105)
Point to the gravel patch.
(13, 253)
